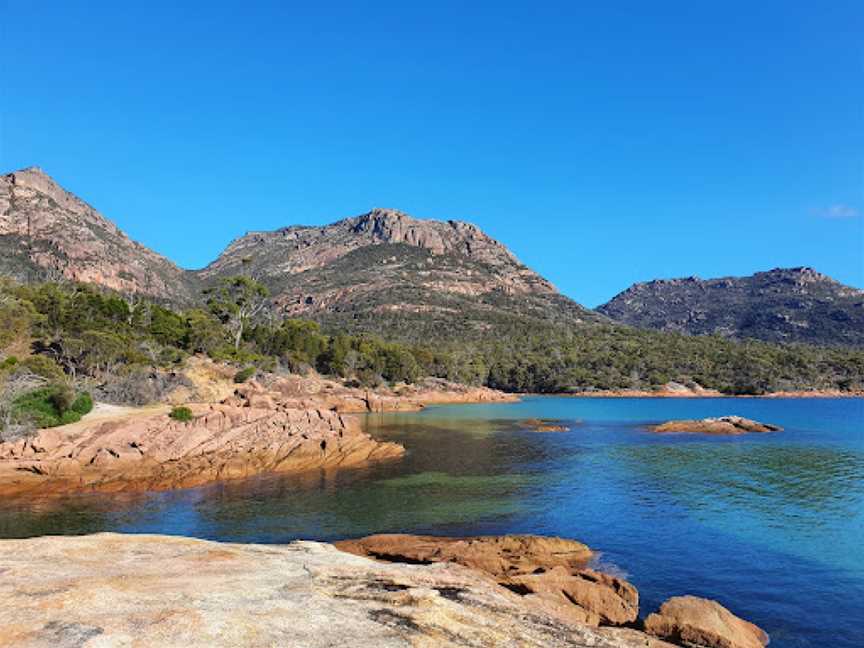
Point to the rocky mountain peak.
(48, 233)
(383, 222)
(800, 276)
(33, 176)
(439, 237)
(386, 263)
(30, 184)
(394, 226)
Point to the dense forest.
(59, 343)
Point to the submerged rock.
(543, 425)
(720, 425)
(694, 621)
(552, 572)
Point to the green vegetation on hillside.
(182, 414)
(76, 337)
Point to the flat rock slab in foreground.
(552, 573)
(136, 590)
(724, 425)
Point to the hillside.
(387, 272)
(781, 305)
(47, 233)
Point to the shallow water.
(771, 525)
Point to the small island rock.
(730, 425)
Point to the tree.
(204, 333)
(236, 301)
(16, 318)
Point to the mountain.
(383, 271)
(46, 233)
(387, 271)
(781, 305)
(406, 278)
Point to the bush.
(82, 404)
(62, 397)
(69, 416)
(37, 407)
(244, 374)
(8, 363)
(51, 406)
(44, 367)
(183, 414)
(141, 385)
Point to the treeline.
(88, 332)
(68, 339)
(59, 343)
(617, 357)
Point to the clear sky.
(605, 145)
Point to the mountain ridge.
(386, 271)
(796, 304)
(382, 266)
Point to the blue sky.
(604, 145)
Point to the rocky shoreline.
(707, 393)
(291, 424)
(524, 591)
(222, 442)
(283, 424)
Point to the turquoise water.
(771, 525)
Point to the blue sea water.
(771, 525)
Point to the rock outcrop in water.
(291, 424)
(543, 425)
(723, 425)
(111, 589)
(552, 575)
(156, 452)
(694, 621)
(552, 572)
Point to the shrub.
(181, 413)
(141, 385)
(61, 397)
(8, 363)
(69, 416)
(82, 404)
(51, 406)
(244, 374)
(37, 407)
(44, 367)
